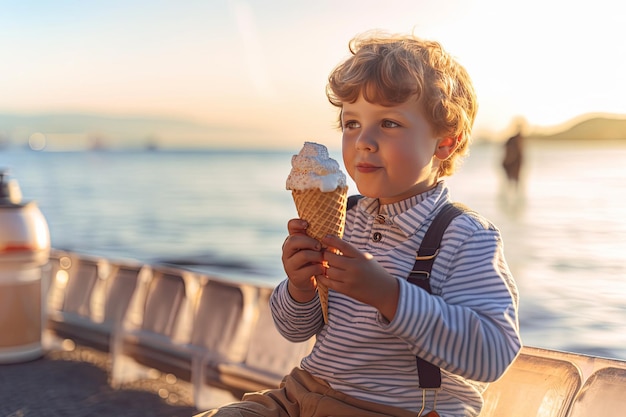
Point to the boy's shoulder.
(471, 220)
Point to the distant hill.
(588, 127)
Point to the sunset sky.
(256, 70)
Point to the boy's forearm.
(296, 321)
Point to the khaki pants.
(303, 395)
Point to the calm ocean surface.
(226, 211)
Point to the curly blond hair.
(389, 69)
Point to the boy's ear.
(445, 147)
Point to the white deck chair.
(269, 358)
(533, 386)
(69, 307)
(152, 332)
(224, 314)
(603, 394)
(109, 305)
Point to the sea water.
(225, 212)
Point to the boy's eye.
(351, 124)
(389, 123)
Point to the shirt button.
(377, 237)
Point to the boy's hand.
(302, 260)
(360, 276)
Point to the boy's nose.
(366, 141)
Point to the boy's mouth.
(365, 167)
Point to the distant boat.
(97, 143)
(152, 143)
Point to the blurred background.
(240, 73)
(161, 130)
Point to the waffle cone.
(326, 215)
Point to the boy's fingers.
(341, 245)
(297, 226)
(297, 242)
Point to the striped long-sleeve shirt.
(468, 326)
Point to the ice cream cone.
(320, 191)
(326, 214)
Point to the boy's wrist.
(301, 295)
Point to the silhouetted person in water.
(513, 158)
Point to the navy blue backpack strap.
(352, 200)
(430, 244)
(429, 374)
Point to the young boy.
(406, 113)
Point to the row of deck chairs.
(219, 336)
(216, 334)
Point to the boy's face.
(389, 151)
